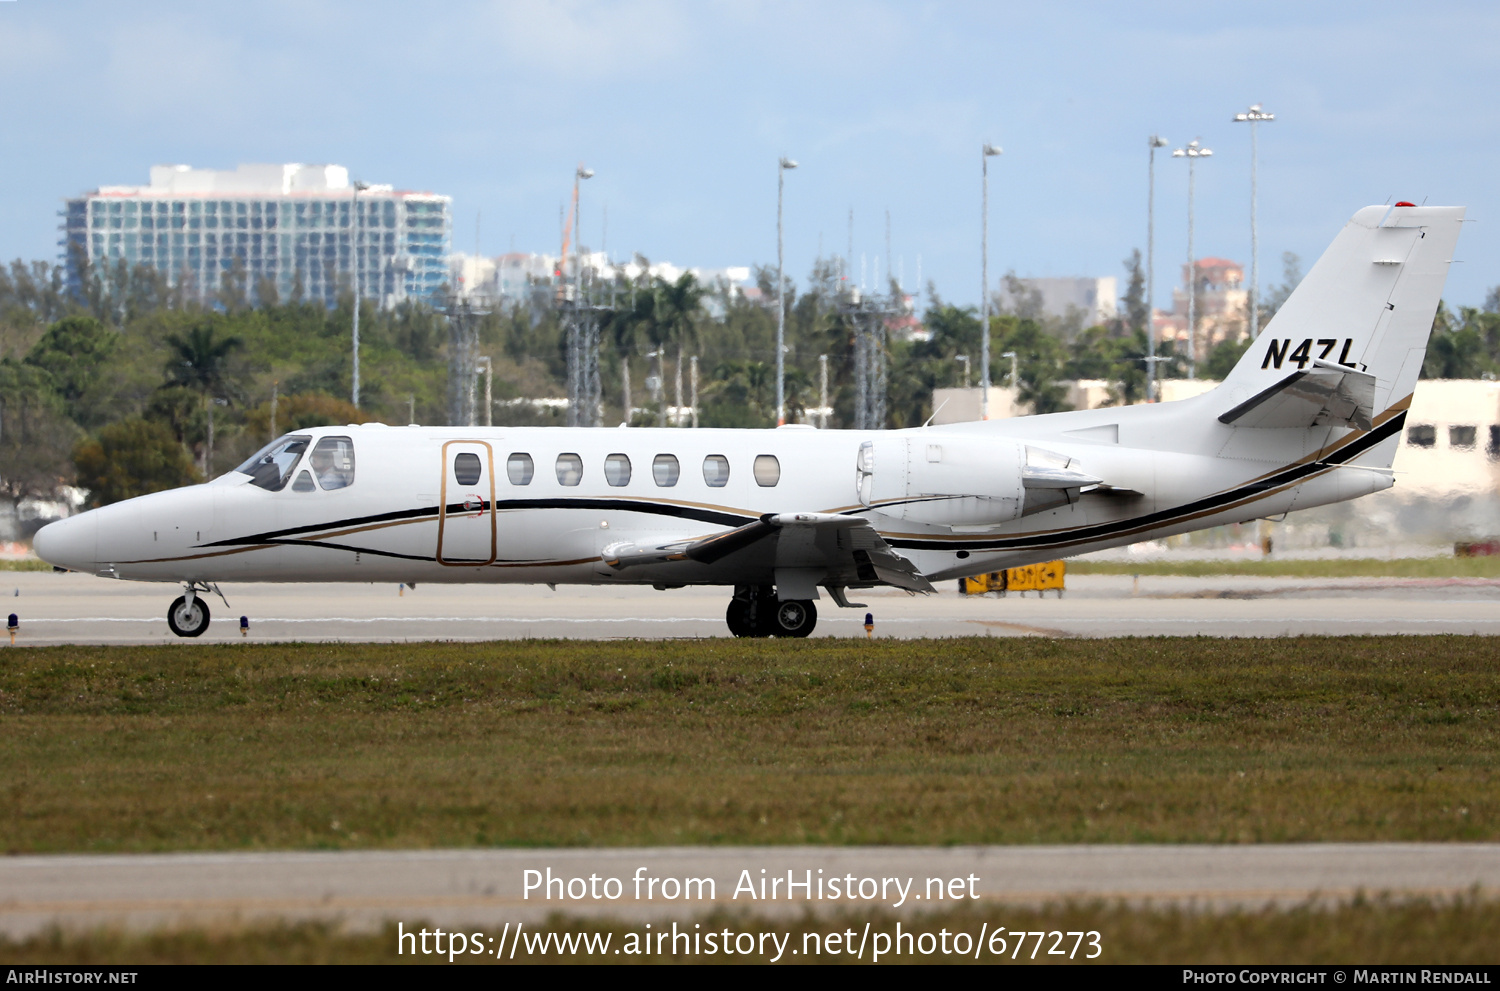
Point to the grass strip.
(24, 564)
(1364, 931)
(1410, 567)
(540, 743)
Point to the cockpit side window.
(333, 462)
(272, 465)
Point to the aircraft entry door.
(466, 513)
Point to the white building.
(1088, 301)
(512, 276)
(295, 225)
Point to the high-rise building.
(294, 225)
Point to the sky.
(682, 108)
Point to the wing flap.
(846, 549)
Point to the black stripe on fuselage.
(506, 505)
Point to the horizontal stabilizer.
(1324, 395)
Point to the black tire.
(788, 618)
(738, 618)
(188, 621)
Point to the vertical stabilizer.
(1367, 304)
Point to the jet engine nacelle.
(943, 480)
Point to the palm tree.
(679, 304)
(198, 363)
(198, 359)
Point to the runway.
(488, 888)
(72, 608)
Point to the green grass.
(827, 741)
(1411, 567)
(1363, 932)
(24, 564)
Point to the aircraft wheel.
(791, 618)
(738, 618)
(188, 620)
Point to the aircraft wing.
(845, 549)
(1324, 395)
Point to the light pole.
(354, 252)
(580, 360)
(781, 168)
(1154, 142)
(823, 390)
(1012, 356)
(1192, 153)
(484, 364)
(580, 174)
(1253, 117)
(985, 154)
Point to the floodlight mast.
(354, 252)
(1254, 116)
(1192, 153)
(580, 174)
(1154, 142)
(985, 154)
(782, 166)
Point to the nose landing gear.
(755, 612)
(188, 615)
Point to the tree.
(74, 352)
(1276, 296)
(199, 359)
(1039, 363)
(1457, 347)
(679, 304)
(131, 458)
(199, 363)
(300, 411)
(1224, 356)
(1136, 304)
(1121, 361)
(743, 394)
(35, 434)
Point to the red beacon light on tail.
(1405, 203)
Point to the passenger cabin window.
(1462, 437)
(1494, 449)
(1421, 435)
(520, 468)
(466, 468)
(716, 471)
(767, 470)
(569, 469)
(665, 470)
(333, 462)
(271, 467)
(617, 470)
(304, 482)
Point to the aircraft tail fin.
(1347, 346)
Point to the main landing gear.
(755, 612)
(188, 615)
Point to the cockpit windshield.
(273, 464)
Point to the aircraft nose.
(70, 543)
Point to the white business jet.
(1311, 415)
